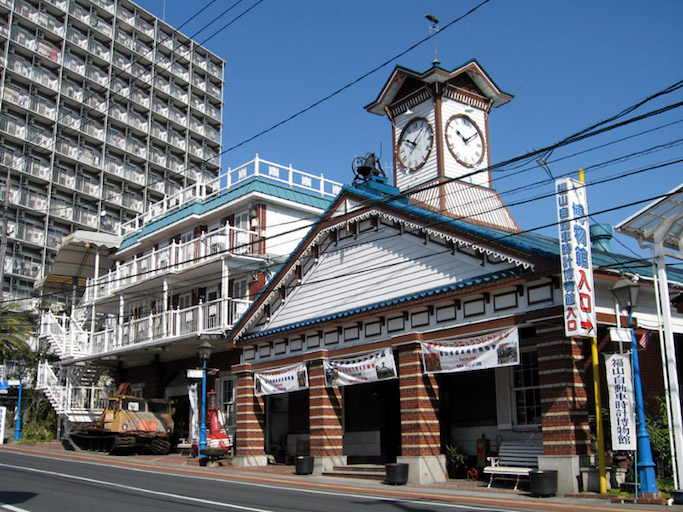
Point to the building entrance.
(372, 422)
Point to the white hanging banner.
(492, 350)
(194, 414)
(3, 414)
(620, 391)
(369, 367)
(281, 380)
(575, 258)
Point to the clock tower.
(439, 120)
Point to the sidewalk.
(455, 491)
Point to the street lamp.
(204, 353)
(626, 293)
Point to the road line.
(12, 508)
(484, 504)
(394, 499)
(137, 489)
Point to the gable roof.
(403, 80)
(256, 184)
(375, 198)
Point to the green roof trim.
(256, 184)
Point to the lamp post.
(626, 293)
(204, 353)
(18, 434)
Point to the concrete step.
(363, 471)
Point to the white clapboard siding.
(375, 267)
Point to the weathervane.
(433, 30)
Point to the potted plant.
(456, 461)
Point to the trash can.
(677, 495)
(543, 483)
(397, 473)
(304, 465)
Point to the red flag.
(644, 338)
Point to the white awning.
(75, 259)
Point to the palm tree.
(15, 329)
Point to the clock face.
(465, 141)
(415, 144)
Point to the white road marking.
(482, 508)
(137, 489)
(12, 508)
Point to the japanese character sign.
(620, 390)
(575, 259)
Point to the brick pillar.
(326, 432)
(420, 431)
(563, 398)
(251, 424)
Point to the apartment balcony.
(60, 4)
(26, 233)
(101, 26)
(156, 329)
(23, 268)
(173, 259)
(213, 90)
(107, 5)
(28, 199)
(72, 90)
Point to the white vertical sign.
(620, 391)
(575, 259)
(3, 415)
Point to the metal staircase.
(64, 334)
(73, 391)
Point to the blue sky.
(568, 65)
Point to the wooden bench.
(515, 459)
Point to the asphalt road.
(38, 483)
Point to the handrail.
(214, 316)
(258, 167)
(172, 257)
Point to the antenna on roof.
(433, 30)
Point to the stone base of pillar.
(247, 461)
(325, 464)
(568, 469)
(425, 470)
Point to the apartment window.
(240, 289)
(227, 399)
(185, 301)
(526, 390)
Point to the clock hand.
(461, 136)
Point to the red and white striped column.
(326, 427)
(420, 431)
(251, 423)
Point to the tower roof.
(404, 81)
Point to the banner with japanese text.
(281, 380)
(620, 392)
(491, 350)
(575, 258)
(370, 367)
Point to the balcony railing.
(257, 168)
(156, 328)
(174, 257)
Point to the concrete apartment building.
(105, 111)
